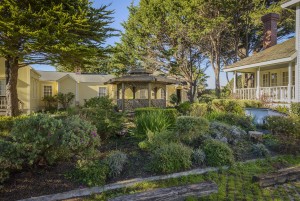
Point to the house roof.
(55, 76)
(290, 3)
(276, 52)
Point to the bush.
(282, 109)
(154, 120)
(260, 150)
(286, 131)
(7, 123)
(155, 140)
(171, 157)
(271, 142)
(226, 133)
(79, 137)
(91, 173)
(99, 102)
(244, 122)
(234, 106)
(10, 159)
(65, 99)
(115, 162)
(218, 153)
(198, 157)
(184, 108)
(189, 128)
(295, 109)
(199, 109)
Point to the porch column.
(258, 83)
(297, 67)
(290, 83)
(77, 94)
(234, 82)
(149, 94)
(123, 97)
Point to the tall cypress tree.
(57, 32)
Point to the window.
(285, 78)
(265, 80)
(47, 91)
(293, 78)
(2, 87)
(102, 91)
(162, 93)
(274, 79)
(34, 88)
(143, 94)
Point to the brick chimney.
(78, 70)
(270, 29)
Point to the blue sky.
(121, 15)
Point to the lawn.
(234, 184)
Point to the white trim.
(234, 81)
(262, 64)
(290, 75)
(258, 83)
(290, 3)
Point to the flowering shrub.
(116, 161)
(171, 157)
(286, 131)
(199, 109)
(79, 137)
(189, 128)
(218, 153)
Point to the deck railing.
(132, 104)
(274, 94)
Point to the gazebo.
(140, 88)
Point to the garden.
(95, 145)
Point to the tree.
(56, 32)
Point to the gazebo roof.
(142, 75)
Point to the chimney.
(78, 70)
(270, 29)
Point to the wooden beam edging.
(126, 183)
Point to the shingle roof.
(54, 76)
(279, 51)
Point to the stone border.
(126, 183)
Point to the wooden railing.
(274, 94)
(131, 104)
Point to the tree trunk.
(191, 92)
(11, 71)
(217, 81)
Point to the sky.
(121, 15)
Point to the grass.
(234, 183)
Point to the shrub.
(171, 157)
(271, 142)
(99, 102)
(244, 122)
(226, 133)
(295, 109)
(65, 99)
(286, 131)
(218, 153)
(198, 157)
(39, 137)
(184, 108)
(10, 159)
(7, 123)
(282, 109)
(154, 120)
(189, 128)
(234, 106)
(116, 161)
(91, 173)
(198, 109)
(79, 137)
(260, 150)
(157, 139)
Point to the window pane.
(102, 91)
(274, 79)
(2, 87)
(47, 91)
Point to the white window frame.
(265, 80)
(44, 90)
(102, 91)
(143, 94)
(274, 79)
(285, 78)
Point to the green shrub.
(116, 161)
(198, 157)
(99, 102)
(79, 137)
(295, 109)
(271, 142)
(286, 131)
(91, 173)
(189, 128)
(65, 99)
(243, 121)
(198, 109)
(10, 159)
(157, 139)
(260, 150)
(171, 157)
(282, 109)
(7, 123)
(184, 108)
(218, 153)
(234, 106)
(154, 120)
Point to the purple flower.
(94, 133)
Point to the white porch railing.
(274, 94)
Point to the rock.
(256, 136)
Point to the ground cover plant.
(234, 184)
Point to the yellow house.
(34, 85)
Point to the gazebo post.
(123, 97)
(165, 95)
(149, 94)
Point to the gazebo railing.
(132, 104)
